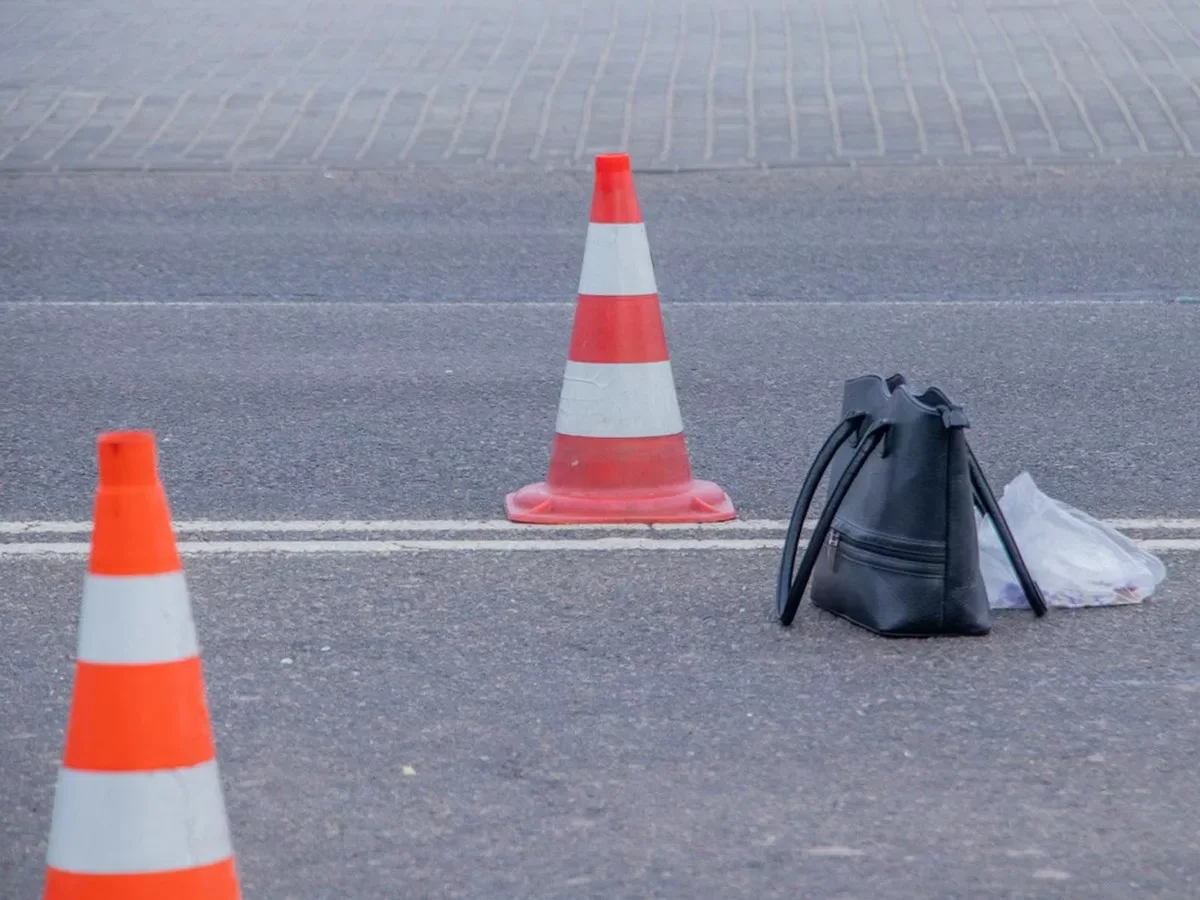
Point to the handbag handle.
(987, 501)
(789, 591)
(812, 479)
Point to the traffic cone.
(619, 453)
(139, 812)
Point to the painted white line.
(567, 303)
(432, 526)
(1154, 524)
(390, 526)
(393, 526)
(498, 545)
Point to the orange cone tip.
(614, 200)
(131, 532)
(127, 459)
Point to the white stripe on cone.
(618, 400)
(616, 262)
(138, 619)
(111, 823)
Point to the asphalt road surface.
(349, 365)
(610, 723)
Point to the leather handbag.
(895, 549)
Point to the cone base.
(695, 502)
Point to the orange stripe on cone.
(618, 330)
(139, 811)
(215, 882)
(619, 452)
(135, 718)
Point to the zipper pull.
(834, 538)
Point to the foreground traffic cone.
(138, 809)
(619, 453)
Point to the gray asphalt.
(1063, 340)
(435, 412)
(391, 346)
(631, 726)
(983, 232)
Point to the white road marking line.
(1154, 524)
(567, 303)
(383, 526)
(431, 526)
(499, 545)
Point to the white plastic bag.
(1075, 559)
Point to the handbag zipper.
(909, 559)
(908, 548)
(832, 544)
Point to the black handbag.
(895, 549)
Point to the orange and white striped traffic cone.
(619, 453)
(139, 812)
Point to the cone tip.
(612, 163)
(127, 458)
(614, 200)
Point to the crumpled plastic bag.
(1076, 560)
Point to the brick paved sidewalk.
(281, 83)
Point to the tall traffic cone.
(139, 812)
(619, 453)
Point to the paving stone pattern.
(94, 84)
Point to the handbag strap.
(987, 501)
(789, 591)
